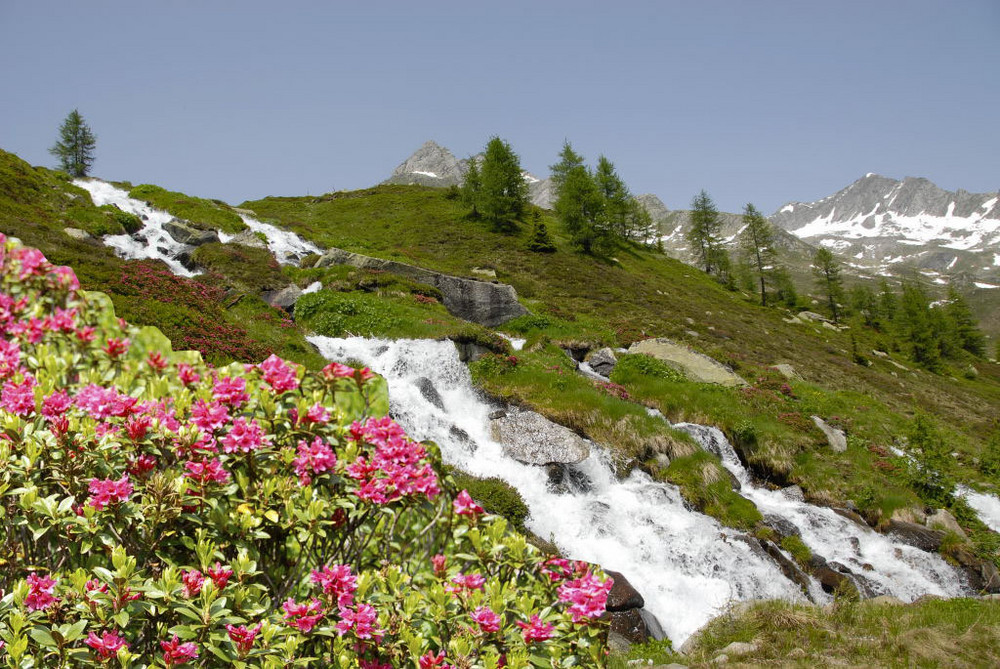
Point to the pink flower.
(487, 620)
(40, 592)
(337, 581)
(101, 403)
(32, 262)
(116, 347)
(439, 561)
(19, 398)
(430, 661)
(464, 583)
(94, 585)
(535, 630)
(193, 581)
(209, 417)
(106, 491)
(465, 506)
(106, 645)
(314, 458)
(137, 426)
(242, 637)
(10, 358)
(56, 404)
(156, 361)
(231, 390)
(243, 436)
(66, 278)
(278, 374)
(335, 370)
(175, 652)
(586, 596)
(220, 575)
(363, 620)
(203, 472)
(318, 414)
(302, 617)
(186, 374)
(86, 333)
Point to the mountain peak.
(430, 165)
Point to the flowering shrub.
(158, 512)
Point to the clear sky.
(752, 100)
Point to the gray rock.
(788, 567)
(603, 361)
(834, 436)
(248, 238)
(653, 626)
(813, 316)
(942, 520)
(284, 298)
(741, 648)
(77, 233)
(489, 304)
(533, 439)
(541, 193)
(430, 165)
(782, 527)
(429, 392)
(696, 366)
(919, 536)
(185, 233)
(794, 492)
(788, 372)
(470, 351)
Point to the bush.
(497, 497)
(158, 511)
(639, 364)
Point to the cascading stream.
(893, 567)
(987, 506)
(685, 564)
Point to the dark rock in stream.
(623, 596)
(429, 392)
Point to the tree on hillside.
(580, 208)
(703, 234)
(568, 159)
(617, 199)
(540, 241)
(962, 325)
(826, 268)
(503, 193)
(75, 148)
(472, 186)
(757, 242)
(915, 326)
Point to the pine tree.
(827, 271)
(580, 208)
(568, 159)
(913, 321)
(703, 235)
(503, 193)
(75, 148)
(757, 241)
(617, 199)
(962, 324)
(472, 187)
(540, 241)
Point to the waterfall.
(890, 566)
(685, 564)
(987, 506)
(153, 241)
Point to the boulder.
(781, 526)
(429, 392)
(794, 493)
(483, 302)
(695, 366)
(622, 596)
(850, 515)
(602, 361)
(630, 626)
(284, 298)
(834, 436)
(982, 574)
(740, 648)
(813, 316)
(185, 233)
(942, 520)
(919, 536)
(788, 567)
(533, 439)
(470, 351)
(249, 238)
(77, 233)
(788, 372)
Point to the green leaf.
(43, 637)
(75, 631)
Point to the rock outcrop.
(834, 436)
(483, 302)
(602, 361)
(185, 233)
(695, 366)
(533, 439)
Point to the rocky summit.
(430, 165)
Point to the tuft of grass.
(705, 483)
(496, 496)
(201, 213)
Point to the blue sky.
(753, 101)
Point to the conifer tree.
(962, 324)
(472, 187)
(503, 193)
(617, 199)
(757, 241)
(826, 268)
(580, 208)
(75, 148)
(568, 159)
(703, 234)
(913, 321)
(540, 241)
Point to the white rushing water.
(685, 564)
(987, 506)
(890, 567)
(153, 241)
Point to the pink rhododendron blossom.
(186, 374)
(142, 465)
(107, 491)
(95, 585)
(231, 390)
(208, 471)
(209, 417)
(397, 468)
(86, 333)
(335, 370)
(318, 414)
(302, 617)
(41, 591)
(19, 398)
(337, 581)
(32, 261)
(10, 358)
(175, 652)
(487, 620)
(156, 361)
(56, 404)
(535, 630)
(116, 347)
(243, 436)
(465, 582)
(314, 458)
(362, 620)
(101, 403)
(431, 661)
(66, 277)
(192, 582)
(373, 664)
(586, 596)
(439, 561)
(220, 575)
(278, 374)
(136, 427)
(106, 645)
(242, 637)
(465, 506)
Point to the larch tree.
(757, 243)
(703, 233)
(826, 268)
(472, 186)
(75, 148)
(503, 193)
(568, 159)
(580, 208)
